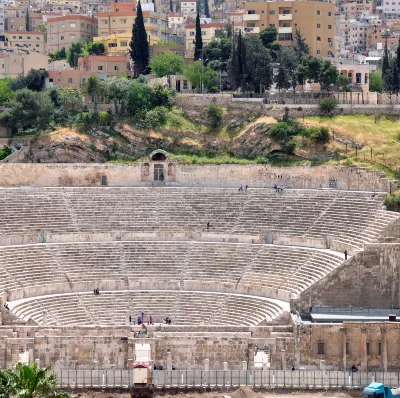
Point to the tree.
(30, 109)
(34, 80)
(328, 74)
(139, 45)
(94, 89)
(281, 79)
(74, 52)
(198, 45)
(237, 62)
(218, 52)
(206, 9)
(301, 47)
(215, 115)
(289, 61)
(268, 36)
(343, 83)
(171, 8)
(328, 105)
(375, 81)
(398, 55)
(115, 89)
(168, 63)
(29, 382)
(391, 79)
(258, 65)
(70, 97)
(6, 93)
(27, 28)
(385, 61)
(197, 74)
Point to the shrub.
(154, 118)
(4, 152)
(215, 115)
(327, 105)
(392, 202)
(289, 146)
(320, 135)
(282, 131)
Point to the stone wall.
(101, 347)
(370, 279)
(369, 346)
(130, 175)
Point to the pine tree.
(27, 20)
(198, 45)
(206, 9)
(301, 46)
(139, 45)
(171, 8)
(385, 62)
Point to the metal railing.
(230, 378)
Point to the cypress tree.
(206, 9)
(139, 45)
(398, 55)
(198, 45)
(27, 20)
(171, 8)
(385, 62)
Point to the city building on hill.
(176, 19)
(207, 31)
(33, 41)
(113, 23)
(13, 64)
(314, 19)
(15, 23)
(189, 8)
(64, 30)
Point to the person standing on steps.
(345, 254)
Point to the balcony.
(251, 17)
(285, 17)
(285, 30)
(252, 30)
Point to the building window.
(62, 26)
(20, 37)
(191, 33)
(70, 80)
(123, 21)
(347, 348)
(318, 38)
(318, 12)
(379, 348)
(321, 348)
(329, 26)
(358, 78)
(123, 44)
(14, 37)
(318, 25)
(329, 14)
(203, 32)
(368, 349)
(285, 37)
(72, 25)
(104, 22)
(37, 45)
(271, 12)
(318, 51)
(185, 85)
(62, 38)
(272, 25)
(100, 67)
(116, 67)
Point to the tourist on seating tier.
(345, 254)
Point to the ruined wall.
(102, 347)
(370, 279)
(368, 345)
(346, 178)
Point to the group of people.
(241, 188)
(278, 188)
(96, 291)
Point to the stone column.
(206, 365)
(384, 349)
(44, 321)
(1, 316)
(169, 360)
(225, 366)
(364, 359)
(283, 357)
(344, 343)
(244, 365)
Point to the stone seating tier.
(114, 308)
(213, 266)
(309, 213)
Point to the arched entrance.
(159, 155)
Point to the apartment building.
(64, 30)
(189, 8)
(207, 32)
(114, 23)
(15, 23)
(105, 65)
(13, 64)
(378, 34)
(357, 9)
(120, 6)
(314, 19)
(388, 9)
(2, 19)
(357, 36)
(33, 41)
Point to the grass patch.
(383, 136)
(177, 120)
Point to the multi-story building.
(314, 19)
(356, 9)
(63, 31)
(120, 6)
(2, 19)
(15, 23)
(14, 64)
(388, 9)
(378, 34)
(189, 8)
(105, 66)
(357, 36)
(114, 23)
(207, 32)
(33, 41)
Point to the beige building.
(64, 30)
(13, 64)
(33, 41)
(15, 23)
(207, 32)
(121, 22)
(105, 65)
(314, 19)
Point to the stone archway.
(159, 155)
